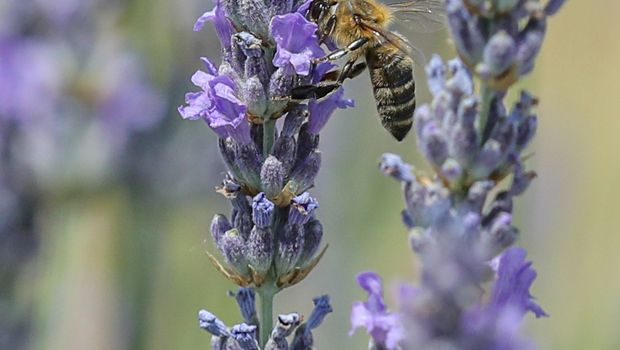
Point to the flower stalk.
(272, 238)
(266, 301)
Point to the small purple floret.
(222, 24)
(320, 111)
(218, 105)
(383, 326)
(296, 40)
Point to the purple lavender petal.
(514, 279)
(320, 111)
(222, 24)
(296, 40)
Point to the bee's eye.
(316, 9)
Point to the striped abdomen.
(391, 74)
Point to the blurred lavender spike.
(460, 220)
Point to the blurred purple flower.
(382, 325)
(218, 105)
(321, 110)
(223, 27)
(30, 79)
(129, 102)
(514, 279)
(296, 40)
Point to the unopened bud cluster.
(289, 333)
(499, 39)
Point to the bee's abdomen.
(391, 74)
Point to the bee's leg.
(306, 92)
(329, 29)
(351, 70)
(338, 54)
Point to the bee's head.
(318, 9)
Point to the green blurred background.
(121, 263)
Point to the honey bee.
(359, 28)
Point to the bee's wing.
(424, 16)
(401, 43)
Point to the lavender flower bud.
(284, 150)
(293, 121)
(249, 162)
(313, 233)
(242, 215)
(260, 249)
(499, 55)
(553, 6)
(254, 94)
(245, 335)
(521, 180)
(289, 248)
(281, 83)
(463, 143)
(286, 326)
(488, 159)
(303, 339)
(219, 226)
(321, 309)
(465, 32)
(432, 143)
(246, 300)
(262, 211)
(227, 151)
(529, 43)
(477, 194)
(451, 170)
(436, 75)
(301, 209)
(232, 248)
(304, 172)
(460, 83)
(393, 165)
(306, 143)
(272, 176)
(500, 234)
(501, 203)
(210, 323)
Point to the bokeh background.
(106, 194)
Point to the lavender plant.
(272, 239)
(460, 217)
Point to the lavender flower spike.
(272, 238)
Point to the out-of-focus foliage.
(118, 255)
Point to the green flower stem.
(266, 294)
(269, 126)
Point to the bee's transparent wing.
(423, 16)
(397, 40)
